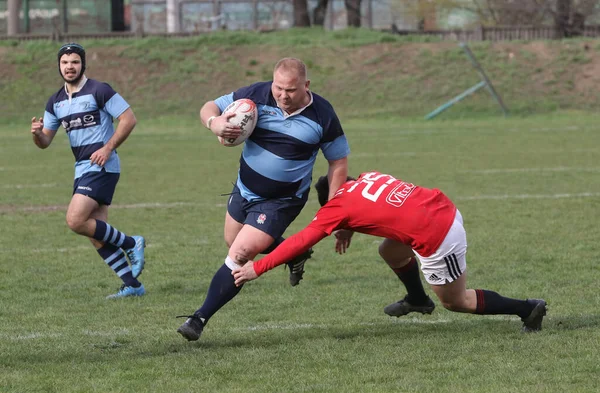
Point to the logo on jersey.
(433, 277)
(261, 219)
(268, 112)
(399, 194)
(88, 120)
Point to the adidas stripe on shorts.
(450, 260)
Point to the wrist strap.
(209, 121)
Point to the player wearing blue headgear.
(86, 108)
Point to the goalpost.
(485, 82)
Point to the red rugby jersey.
(380, 205)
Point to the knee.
(74, 223)
(382, 251)
(242, 255)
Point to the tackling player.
(274, 176)
(404, 214)
(86, 108)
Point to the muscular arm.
(127, 121)
(42, 137)
(219, 125)
(289, 249)
(337, 174)
(207, 111)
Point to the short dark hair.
(322, 187)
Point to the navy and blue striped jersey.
(278, 158)
(88, 120)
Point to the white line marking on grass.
(294, 326)
(415, 321)
(528, 196)
(52, 208)
(534, 170)
(31, 336)
(75, 248)
(20, 186)
(156, 205)
(392, 154)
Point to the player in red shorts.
(411, 219)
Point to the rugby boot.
(136, 256)
(126, 291)
(296, 266)
(533, 322)
(192, 327)
(403, 307)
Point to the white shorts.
(450, 260)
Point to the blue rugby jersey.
(278, 158)
(88, 120)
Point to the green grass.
(528, 191)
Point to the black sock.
(491, 303)
(221, 290)
(410, 277)
(273, 245)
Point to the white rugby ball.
(246, 116)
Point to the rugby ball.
(246, 116)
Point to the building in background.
(67, 16)
(188, 16)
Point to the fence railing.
(510, 33)
(479, 34)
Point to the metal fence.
(92, 18)
(510, 33)
(71, 16)
(205, 15)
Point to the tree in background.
(568, 16)
(319, 12)
(353, 12)
(301, 18)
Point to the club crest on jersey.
(261, 219)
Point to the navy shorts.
(99, 186)
(272, 216)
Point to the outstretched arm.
(337, 175)
(289, 249)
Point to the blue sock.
(221, 290)
(107, 234)
(116, 260)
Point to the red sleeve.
(290, 248)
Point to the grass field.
(528, 190)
